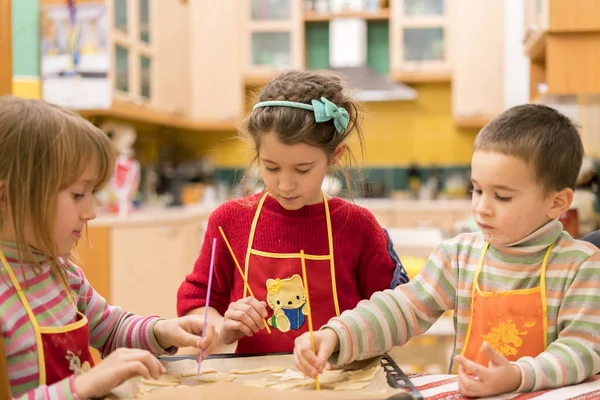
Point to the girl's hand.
(243, 318)
(475, 380)
(186, 331)
(121, 365)
(309, 363)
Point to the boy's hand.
(186, 331)
(475, 380)
(309, 363)
(243, 318)
(121, 365)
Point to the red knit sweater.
(362, 262)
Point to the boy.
(523, 291)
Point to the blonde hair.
(44, 148)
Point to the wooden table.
(429, 386)
(378, 388)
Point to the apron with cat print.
(276, 278)
(514, 322)
(62, 350)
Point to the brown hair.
(540, 136)
(44, 149)
(293, 125)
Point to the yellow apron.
(62, 350)
(514, 322)
(276, 278)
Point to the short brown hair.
(540, 136)
(293, 125)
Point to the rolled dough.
(257, 370)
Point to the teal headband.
(324, 111)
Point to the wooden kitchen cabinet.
(132, 39)
(272, 38)
(421, 39)
(140, 265)
(562, 41)
(215, 81)
(478, 62)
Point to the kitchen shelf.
(141, 114)
(312, 16)
(422, 76)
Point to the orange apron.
(62, 350)
(514, 322)
(276, 278)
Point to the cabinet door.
(173, 68)
(273, 36)
(217, 90)
(478, 68)
(94, 258)
(133, 40)
(148, 265)
(421, 36)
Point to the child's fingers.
(233, 325)
(137, 368)
(243, 313)
(303, 364)
(471, 368)
(143, 363)
(154, 366)
(306, 357)
(209, 340)
(254, 309)
(258, 312)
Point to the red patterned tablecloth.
(445, 387)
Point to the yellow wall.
(396, 134)
(423, 131)
(27, 87)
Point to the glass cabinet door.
(417, 8)
(271, 49)
(271, 10)
(121, 69)
(145, 77)
(144, 20)
(423, 44)
(275, 36)
(121, 17)
(420, 30)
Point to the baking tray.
(393, 374)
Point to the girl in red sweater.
(300, 128)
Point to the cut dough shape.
(205, 371)
(257, 370)
(332, 376)
(294, 384)
(259, 383)
(216, 377)
(290, 375)
(164, 380)
(365, 375)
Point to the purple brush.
(210, 274)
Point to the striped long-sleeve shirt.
(394, 316)
(109, 326)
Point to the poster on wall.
(75, 57)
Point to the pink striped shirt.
(110, 327)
